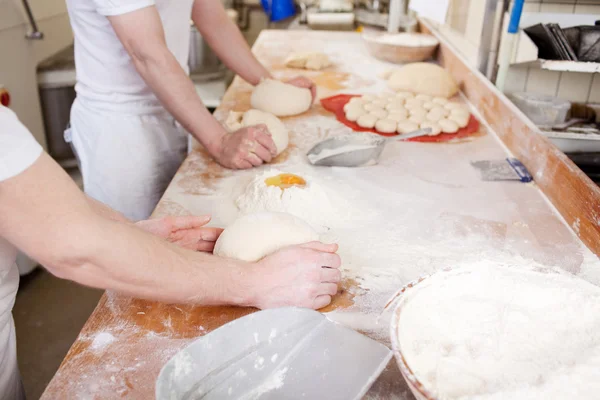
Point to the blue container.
(278, 10)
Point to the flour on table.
(102, 340)
(500, 332)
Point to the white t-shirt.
(106, 76)
(18, 150)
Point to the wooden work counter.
(430, 202)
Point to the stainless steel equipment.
(203, 62)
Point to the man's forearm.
(105, 211)
(226, 40)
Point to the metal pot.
(203, 62)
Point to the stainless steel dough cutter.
(354, 150)
(285, 353)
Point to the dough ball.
(418, 112)
(404, 95)
(234, 121)
(367, 121)
(418, 119)
(435, 127)
(311, 60)
(410, 104)
(354, 113)
(386, 96)
(381, 103)
(397, 117)
(448, 126)
(254, 236)
(395, 103)
(379, 113)
(353, 106)
(424, 97)
(428, 105)
(386, 126)
(370, 107)
(280, 99)
(356, 100)
(368, 97)
(460, 112)
(424, 78)
(440, 100)
(276, 128)
(461, 120)
(407, 126)
(437, 113)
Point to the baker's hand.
(188, 232)
(246, 148)
(304, 82)
(304, 276)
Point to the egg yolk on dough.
(284, 181)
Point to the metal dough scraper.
(284, 353)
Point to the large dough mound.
(424, 78)
(278, 131)
(280, 99)
(255, 236)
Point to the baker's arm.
(44, 214)
(227, 41)
(141, 33)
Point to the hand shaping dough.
(254, 236)
(367, 121)
(278, 131)
(424, 78)
(313, 60)
(386, 126)
(280, 99)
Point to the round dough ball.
(419, 112)
(379, 103)
(397, 117)
(371, 107)
(418, 119)
(460, 112)
(353, 114)
(280, 99)
(435, 127)
(424, 97)
(410, 104)
(367, 121)
(356, 100)
(404, 95)
(352, 106)
(440, 100)
(437, 113)
(428, 105)
(461, 120)
(395, 104)
(379, 113)
(386, 126)
(368, 97)
(424, 78)
(255, 236)
(407, 126)
(276, 128)
(448, 126)
(386, 96)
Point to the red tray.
(335, 104)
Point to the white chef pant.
(126, 159)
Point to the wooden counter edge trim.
(573, 194)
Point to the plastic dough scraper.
(284, 353)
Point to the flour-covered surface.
(422, 208)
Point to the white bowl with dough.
(492, 331)
(400, 48)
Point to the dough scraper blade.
(284, 353)
(354, 150)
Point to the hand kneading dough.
(276, 128)
(367, 121)
(386, 126)
(315, 61)
(424, 78)
(254, 236)
(280, 99)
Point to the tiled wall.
(573, 86)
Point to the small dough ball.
(379, 113)
(386, 96)
(424, 78)
(418, 119)
(440, 100)
(356, 100)
(395, 104)
(397, 116)
(354, 113)
(448, 126)
(428, 105)
(404, 95)
(255, 236)
(386, 126)
(379, 103)
(437, 113)
(413, 104)
(407, 127)
(440, 110)
(368, 97)
(435, 127)
(310, 60)
(419, 112)
(461, 120)
(280, 99)
(276, 128)
(370, 107)
(353, 106)
(461, 112)
(367, 121)
(424, 97)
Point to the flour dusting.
(102, 340)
